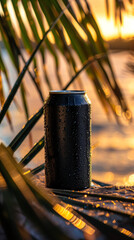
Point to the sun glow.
(129, 181)
(109, 30)
(107, 26)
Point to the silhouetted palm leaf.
(119, 8)
(43, 210)
(81, 41)
(49, 216)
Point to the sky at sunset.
(107, 25)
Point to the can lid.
(67, 92)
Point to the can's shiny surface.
(67, 116)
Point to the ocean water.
(112, 145)
(113, 156)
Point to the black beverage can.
(67, 118)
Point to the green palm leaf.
(14, 54)
(39, 206)
(83, 47)
(2, 100)
(34, 119)
(34, 202)
(19, 80)
(16, 142)
(29, 156)
(3, 69)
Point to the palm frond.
(29, 156)
(81, 41)
(4, 70)
(46, 212)
(34, 202)
(2, 100)
(119, 8)
(70, 35)
(16, 142)
(19, 79)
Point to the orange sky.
(107, 26)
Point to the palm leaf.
(107, 229)
(16, 142)
(9, 32)
(50, 47)
(33, 27)
(13, 51)
(2, 100)
(29, 156)
(34, 119)
(79, 203)
(19, 79)
(33, 202)
(84, 49)
(24, 34)
(3, 69)
(8, 217)
(107, 7)
(119, 7)
(37, 169)
(6, 40)
(14, 46)
(39, 206)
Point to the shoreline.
(113, 44)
